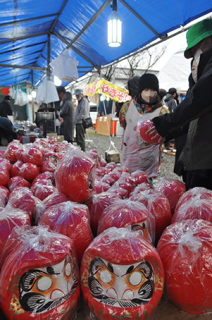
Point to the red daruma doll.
(121, 275)
(39, 278)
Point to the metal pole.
(33, 111)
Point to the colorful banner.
(4, 91)
(108, 89)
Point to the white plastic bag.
(47, 92)
(65, 67)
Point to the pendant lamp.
(114, 27)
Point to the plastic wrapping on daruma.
(32, 155)
(10, 218)
(96, 204)
(43, 189)
(54, 198)
(194, 205)
(126, 181)
(141, 187)
(127, 213)
(185, 249)
(71, 219)
(4, 163)
(139, 176)
(4, 176)
(142, 127)
(73, 175)
(121, 276)
(18, 182)
(194, 193)
(15, 169)
(29, 171)
(4, 193)
(123, 193)
(12, 151)
(173, 190)
(22, 198)
(39, 279)
(157, 203)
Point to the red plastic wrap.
(15, 169)
(126, 181)
(49, 166)
(4, 177)
(54, 198)
(22, 198)
(33, 155)
(9, 219)
(115, 174)
(140, 188)
(122, 276)
(142, 127)
(197, 207)
(185, 249)
(29, 171)
(127, 213)
(44, 176)
(157, 203)
(71, 219)
(194, 193)
(123, 193)
(108, 179)
(96, 204)
(139, 176)
(18, 182)
(41, 190)
(4, 163)
(4, 193)
(73, 175)
(40, 279)
(12, 150)
(173, 190)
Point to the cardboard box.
(54, 135)
(104, 125)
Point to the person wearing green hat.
(193, 116)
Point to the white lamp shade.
(114, 30)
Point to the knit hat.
(148, 80)
(197, 33)
(133, 85)
(78, 91)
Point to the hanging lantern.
(114, 27)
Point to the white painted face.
(121, 286)
(43, 289)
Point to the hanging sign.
(108, 89)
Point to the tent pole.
(33, 113)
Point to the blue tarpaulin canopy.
(33, 33)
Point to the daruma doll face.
(43, 289)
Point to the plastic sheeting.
(25, 25)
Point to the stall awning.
(107, 89)
(28, 26)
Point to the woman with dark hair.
(67, 113)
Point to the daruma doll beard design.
(44, 289)
(121, 286)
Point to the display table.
(26, 139)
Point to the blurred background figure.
(5, 109)
(67, 113)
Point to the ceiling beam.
(141, 19)
(27, 20)
(24, 37)
(25, 47)
(74, 49)
(21, 67)
(52, 27)
(95, 16)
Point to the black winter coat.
(67, 113)
(195, 110)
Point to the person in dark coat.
(67, 113)
(193, 116)
(5, 109)
(57, 105)
(6, 130)
(170, 99)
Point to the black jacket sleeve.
(197, 104)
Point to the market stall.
(100, 92)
